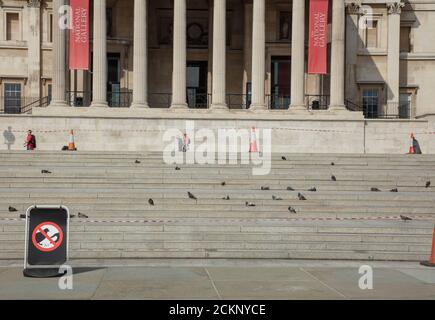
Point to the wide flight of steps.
(342, 220)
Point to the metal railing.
(22, 105)
(317, 101)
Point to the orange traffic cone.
(253, 144)
(71, 145)
(431, 262)
(411, 147)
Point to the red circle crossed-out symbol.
(50, 236)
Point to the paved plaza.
(223, 280)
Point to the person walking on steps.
(30, 142)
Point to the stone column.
(179, 100)
(352, 44)
(337, 56)
(140, 58)
(393, 59)
(59, 58)
(258, 55)
(298, 57)
(99, 90)
(34, 52)
(219, 55)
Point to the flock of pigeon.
(190, 195)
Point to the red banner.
(318, 37)
(79, 35)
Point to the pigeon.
(151, 202)
(427, 184)
(292, 210)
(72, 216)
(12, 209)
(290, 189)
(301, 197)
(375, 190)
(191, 196)
(394, 190)
(265, 188)
(405, 218)
(226, 198)
(45, 172)
(177, 168)
(276, 198)
(137, 162)
(333, 178)
(22, 216)
(332, 164)
(249, 204)
(312, 189)
(284, 158)
(223, 183)
(81, 215)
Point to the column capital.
(33, 3)
(353, 7)
(395, 7)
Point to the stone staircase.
(343, 219)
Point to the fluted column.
(393, 59)
(258, 55)
(298, 57)
(140, 55)
(99, 90)
(219, 55)
(179, 56)
(352, 40)
(337, 56)
(59, 58)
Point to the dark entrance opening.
(197, 96)
(280, 90)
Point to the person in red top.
(30, 142)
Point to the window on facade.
(12, 26)
(285, 24)
(50, 28)
(372, 34)
(12, 97)
(405, 39)
(109, 22)
(405, 105)
(370, 102)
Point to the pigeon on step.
(45, 172)
(82, 215)
(427, 184)
(192, 196)
(301, 197)
(22, 216)
(290, 189)
(332, 164)
(284, 158)
(177, 168)
(375, 190)
(226, 198)
(312, 190)
(12, 209)
(151, 202)
(292, 210)
(249, 204)
(405, 218)
(394, 190)
(137, 162)
(265, 188)
(333, 178)
(223, 184)
(276, 198)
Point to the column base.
(178, 106)
(220, 107)
(258, 108)
(99, 104)
(58, 104)
(139, 106)
(338, 108)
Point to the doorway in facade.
(280, 84)
(114, 93)
(197, 96)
